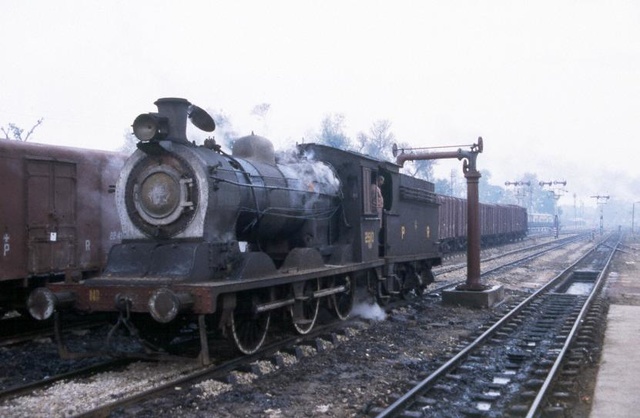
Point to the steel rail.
(407, 399)
(542, 392)
(16, 391)
(216, 371)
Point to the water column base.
(474, 298)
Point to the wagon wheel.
(411, 287)
(427, 277)
(410, 292)
(343, 302)
(384, 293)
(249, 329)
(305, 312)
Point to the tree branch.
(32, 129)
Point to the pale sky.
(553, 87)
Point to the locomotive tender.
(57, 216)
(227, 240)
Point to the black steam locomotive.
(229, 240)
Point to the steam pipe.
(400, 159)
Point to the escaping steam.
(308, 174)
(369, 311)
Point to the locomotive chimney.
(175, 110)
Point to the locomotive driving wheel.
(249, 329)
(343, 302)
(304, 311)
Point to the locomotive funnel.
(171, 121)
(175, 110)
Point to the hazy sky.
(553, 87)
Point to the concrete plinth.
(473, 298)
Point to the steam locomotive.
(229, 240)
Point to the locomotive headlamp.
(150, 126)
(165, 305)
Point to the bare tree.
(261, 110)
(14, 132)
(332, 132)
(378, 141)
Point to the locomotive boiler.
(185, 210)
(225, 240)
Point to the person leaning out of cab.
(377, 201)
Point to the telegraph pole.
(575, 213)
(633, 215)
(601, 201)
(556, 193)
(520, 192)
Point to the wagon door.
(51, 215)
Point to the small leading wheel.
(343, 302)
(249, 329)
(305, 312)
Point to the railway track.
(267, 358)
(226, 372)
(519, 365)
(82, 373)
(26, 329)
(495, 263)
(530, 251)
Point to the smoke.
(311, 176)
(369, 311)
